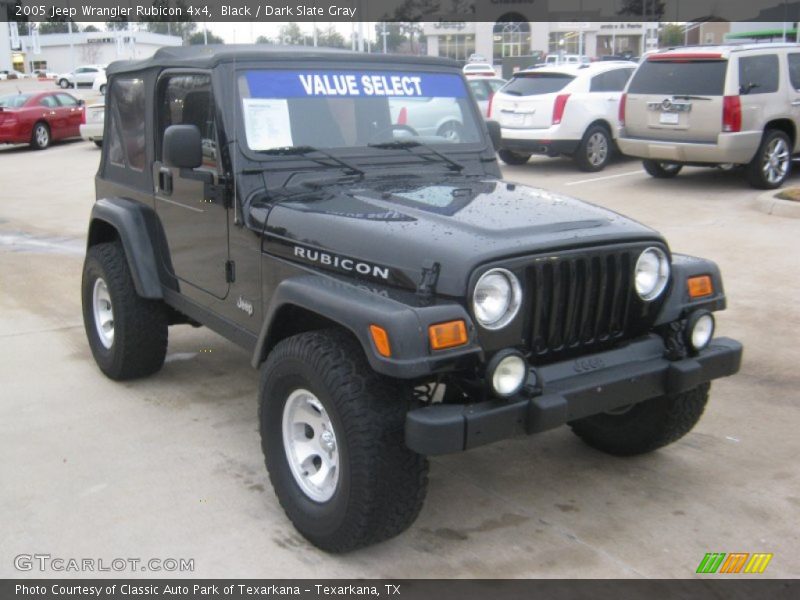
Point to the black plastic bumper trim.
(446, 428)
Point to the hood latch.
(427, 281)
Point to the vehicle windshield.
(352, 109)
(668, 77)
(14, 101)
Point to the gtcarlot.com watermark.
(49, 563)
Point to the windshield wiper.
(304, 150)
(408, 144)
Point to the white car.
(92, 125)
(81, 76)
(565, 110)
(100, 83)
(43, 74)
(428, 117)
(484, 88)
(479, 69)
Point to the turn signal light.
(700, 286)
(381, 340)
(448, 335)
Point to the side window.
(496, 84)
(66, 100)
(600, 83)
(479, 89)
(80, 70)
(794, 70)
(126, 138)
(188, 100)
(758, 74)
(49, 102)
(620, 78)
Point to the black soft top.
(204, 57)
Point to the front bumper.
(737, 148)
(92, 131)
(570, 390)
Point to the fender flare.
(133, 222)
(677, 303)
(355, 309)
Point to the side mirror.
(494, 133)
(81, 102)
(182, 147)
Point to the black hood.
(393, 226)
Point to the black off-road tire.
(140, 325)
(754, 170)
(382, 484)
(647, 426)
(660, 169)
(513, 158)
(596, 134)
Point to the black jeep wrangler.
(341, 216)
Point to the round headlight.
(700, 329)
(497, 298)
(651, 274)
(508, 375)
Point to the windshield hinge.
(220, 193)
(230, 271)
(427, 281)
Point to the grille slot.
(580, 301)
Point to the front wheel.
(63, 84)
(645, 426)
(771, 165)
(594, 151)
(513, 158)
(661, 170)
(127, 333)
(332, 432)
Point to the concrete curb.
(768, 203)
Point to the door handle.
(165, 181)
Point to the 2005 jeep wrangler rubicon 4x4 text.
(342, 217)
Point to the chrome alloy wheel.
(776, 161)
(597, 149)
(309, 442)
(103, 313)
(42, 136)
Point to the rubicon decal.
(342, 263)
(734, 562)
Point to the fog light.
(700, 330)
(507, 372)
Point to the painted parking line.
(593, 179)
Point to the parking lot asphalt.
(171, 466)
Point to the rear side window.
(610, 81)
(67, 100)
(758, 74)
(794, 70)
(126, 138)
(693, 77)
(532, 84)
(479, 89)
(49, 102)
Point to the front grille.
(584, 302)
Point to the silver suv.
(712, 106)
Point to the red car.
(39, 118)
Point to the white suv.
(84, 75)
(711, 106)
(564, 110)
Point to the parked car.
(93, 122)
(415, 303)
(100, 83)
(554, 60)
(44, 74)
(484, 88)
(14, 74)
(709, 106)
(82, 76)
(566, 110)
(39, 119)
(477, 69)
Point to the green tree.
(199, 38)
(182, 26)
(654, 9)
(58, 27)
(90, 29)
(330, 38)
(395, 37)
(262, 39)
(291, 35)
(670, 35)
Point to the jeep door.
(194, 217)
(677, 97)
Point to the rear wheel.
(771, 165)
(127, 333)
(661, 170)
(40, 136)
(645, 426)
(513, 158)
(594, 151)
(332, 431)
